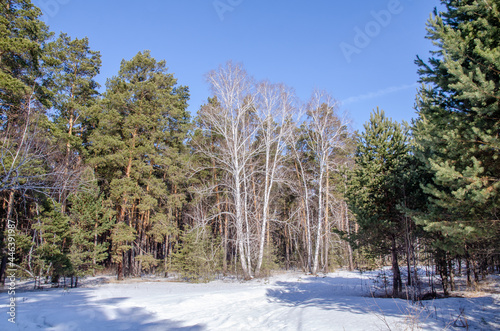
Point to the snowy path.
(286, 302)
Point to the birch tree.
(274, 103)
(326, 134)
(231, 119)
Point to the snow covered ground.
(291, 301)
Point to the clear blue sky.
(304, 44)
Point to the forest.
(127, 181)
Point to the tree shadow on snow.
(76, 310)
(352, 295)
(325, 293)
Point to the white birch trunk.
(320, 223)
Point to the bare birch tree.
(326, 134)
(231, 119)
(275, 109)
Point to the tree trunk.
(287, 250)
(452, 278)
(468, 268)
(327, 223)
(224, 261)
(307, 225)
(443, 272)
(397, 285)
(240, 237)
(348, 230)
(320, 224)
(119, 271)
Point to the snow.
(289, 301)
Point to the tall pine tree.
(73, 67)
(137, 150)
(23, 95)
(458, 131)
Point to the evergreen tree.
(90, 219)
(74, 66)
(377, 188)
(137, 146)
(122, 237)
(23, 96)
(53, 242)
(458, 130)
(199, 257)
(22, 36)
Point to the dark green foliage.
(138, 133)
(380, 187)
(122, 238)
(90, 220)
(458, 128)
(73, 67)
(22, 36)
(52, 232)
(137, 145)
(375, 187)
(23, 95)
(199, 257)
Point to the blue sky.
(362, 52)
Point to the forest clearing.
(287, 301)
(240, 201)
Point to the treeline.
(127, 180)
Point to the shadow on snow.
(77, 310)
(353, 295)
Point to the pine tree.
(458, 129)
(73, 67)
(137, 147)
(23, 96)
(122, 237)
(377, 188)
(53, 242)
(90, 219)
(199, 257)
(22, 37)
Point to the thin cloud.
(378, 93)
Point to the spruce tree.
(458, 130)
